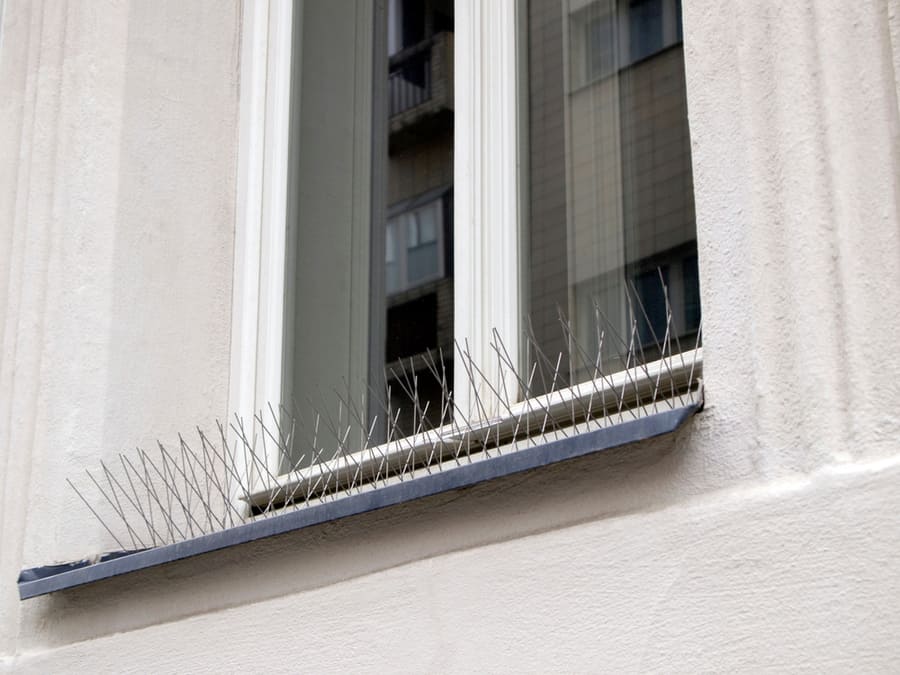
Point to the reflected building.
(610, 188)
(419, 224)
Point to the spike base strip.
(43, 580)
(524, 420)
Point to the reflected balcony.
(420, 90)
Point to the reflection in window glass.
(414, 242)
(419, 274)
(373, 173)
(427, 221)
(391, 264)
(601, 45)
(611, 210)
(645, 23)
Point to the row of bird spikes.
(292, 459)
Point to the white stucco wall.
(763, 536)
(117, 142)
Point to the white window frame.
(488, 190)
(485, 188)
(488, 248)
(258, 284)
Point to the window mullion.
(259, 280)
(486, 241)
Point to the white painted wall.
(117, 139)
(763, 536)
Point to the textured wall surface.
(763, 536)
(117, 153)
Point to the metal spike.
(327, 453)
(96, 515)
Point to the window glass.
(645, 23)
(331, 223)
(370, 289)
(412, 238)
(610, 192)
(419, 305)
(392, 265)
(413, 247)
(601, 45)
(427, 218)
(422, 246)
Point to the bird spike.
(609, 375)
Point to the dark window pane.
(419, 283)
(422, 263)
(650, 308)
(412, 327)
(610, 188)
(691, 294)
(645, 23)
(601, 46)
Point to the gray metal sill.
(42, 580)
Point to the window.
(539, 164)
(369, 278)
(414, 246)
(601, 40)
(645, 28)
(607, 35)
(610, 189)
(567, 199)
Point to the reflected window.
(611, 239)
(601, 45)
(369, 280)
(645, 26)
(414, 247)
(607, 35)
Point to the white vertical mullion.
(274, 212)
(486, 227)
(248, 225)
(259, 247)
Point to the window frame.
(486, 189)
(261, 226)
(490, 186)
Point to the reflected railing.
(410, 78)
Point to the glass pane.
(651, 322)
(328, 296)
(367, 286)
(419, 305)
(645, 21)
(392, 277)
(610, 188)
(601, 44)
(427, 217)
(422, 263)
(390, 241)
(412, 229)
(372, 139)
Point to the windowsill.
(663, 395)
(489, 466)
(666, 382)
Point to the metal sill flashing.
(42, 580)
